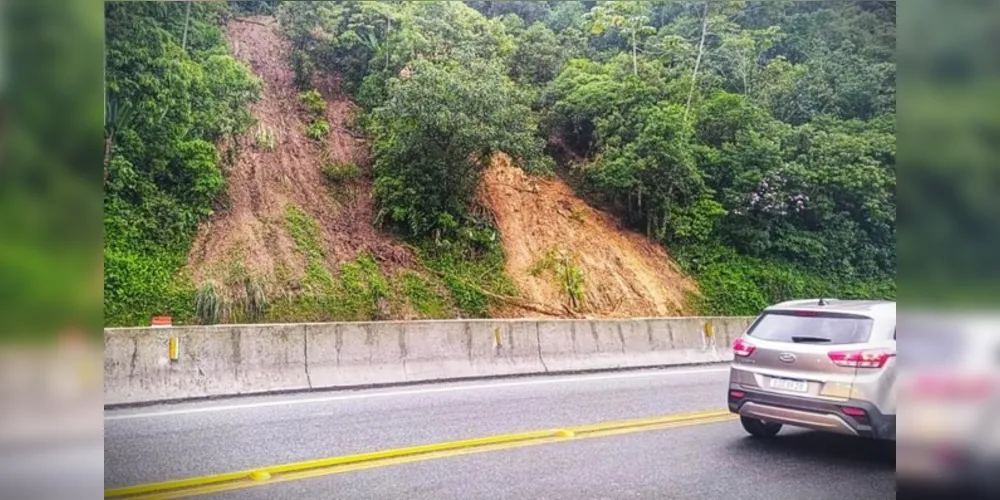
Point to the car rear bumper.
(813, 414)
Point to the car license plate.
(785, 384)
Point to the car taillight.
(854, 412)
(861, 359)
(742, 348)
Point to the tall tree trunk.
(109, 144)
(635, 65)
(388, 29)
(187, 22)
(697, 62)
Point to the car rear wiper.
(809, 339)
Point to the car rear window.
(812, 327)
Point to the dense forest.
(753, 140)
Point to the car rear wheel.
(759, 428)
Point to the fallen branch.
(517, 301)
(249, 21)
(523, 304)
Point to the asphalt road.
(713, 460)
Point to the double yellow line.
(335, 465)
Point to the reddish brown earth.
(250, 229)
(624, 273)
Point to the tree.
(697, 64)
(659, 168)
(169, 106)
(435, 133)
(538, 57)
(631, 19)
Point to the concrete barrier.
(213, 361)
(246, 359)
(354, 354)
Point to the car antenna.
(822, 302)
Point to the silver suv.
(822, 364)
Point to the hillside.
(322, 161)
(621, 273)
(553, 242)
(263, 183)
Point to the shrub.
(304, 68)
(318, 129)
(338, 172)
(209, 304)
(255, 300)
(567, 275)
(466, 272)
(737, 285)
(313, 102)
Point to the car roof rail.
(801, 302)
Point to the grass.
(265, 139)
(339, 172)
(420, 293)
(737, 285)
(358, 292)
(355, 290)
(304, 231)
(250, 302)
(209, 304)
(466, 273)
(566, 274)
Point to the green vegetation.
(473, 278)
(264, 138)
(359, 291)
(172, 92)
(318, 129)
(304, 231)
(250, 301)
(313, 102)
(420, 293)
(766, 128)
(339, 172)
(209, 304)
(755, 139)
(568, 276)
(734, 284)
(433, 136)
(315, 107)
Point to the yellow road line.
(337, 465)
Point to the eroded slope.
(564, 254)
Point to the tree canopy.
(756, 140)
(767, 128)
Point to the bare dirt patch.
(624, 274)
(262, 182)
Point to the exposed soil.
(624, 273)
(250, 228)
